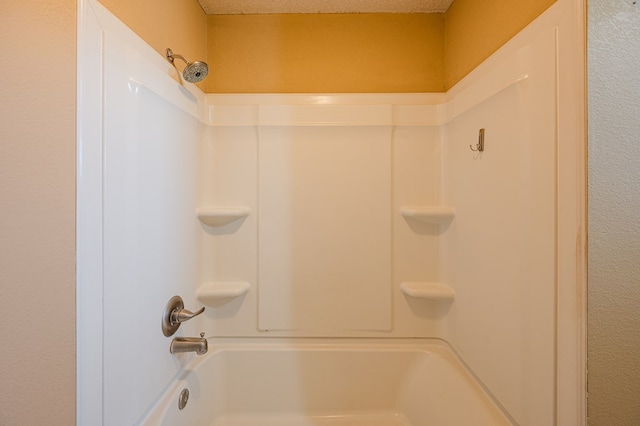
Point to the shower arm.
(171, 56)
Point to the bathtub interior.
(337, 383)
(325, 216)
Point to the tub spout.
(198, 345)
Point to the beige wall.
(325, 53)
(614, 214)
(37, 218)
(475, 29)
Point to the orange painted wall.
(293, 53)
(326, 53)
(474, 29)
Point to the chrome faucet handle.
(181, 315)
(175, 314)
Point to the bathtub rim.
(219, 345)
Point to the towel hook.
(480, 146)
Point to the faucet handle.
(179, 316)
(175, 314)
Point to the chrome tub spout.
(198, 345)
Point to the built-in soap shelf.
(216, 293)
(221, 216)
(428, 290)
(429, 214)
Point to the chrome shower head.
(194, 71)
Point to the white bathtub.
(339, 383)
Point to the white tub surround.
(340, 217)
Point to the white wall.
(138, 244)
(512, 253)
(499, 252)
(614, 213)
(150, 240)
(338, 171)
(37, 189)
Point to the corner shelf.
(213, 294)
(220, 216)
(428, 290)
(428, 214)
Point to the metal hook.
(480, 146)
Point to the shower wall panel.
(500, 252)
(325, 229)
(324, 247)
(150, 144)
(229, 253)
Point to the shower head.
(194, 71)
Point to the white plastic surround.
(220, 216)
(138, 188)
(502, 201)
(427, 290)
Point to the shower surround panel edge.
(329, 216)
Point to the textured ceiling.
(236, 7)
